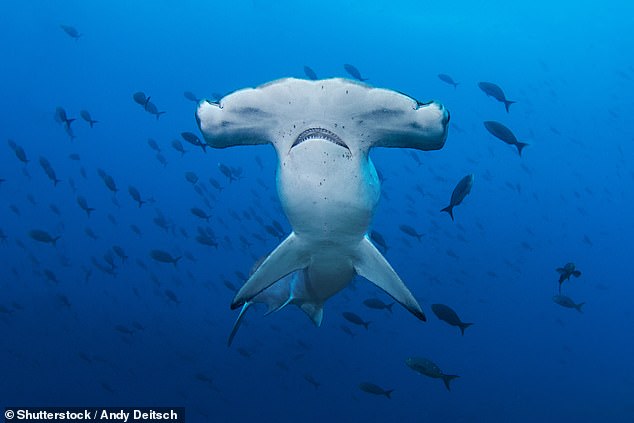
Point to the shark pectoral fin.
(314, 311)
(286, 258)
(370, 264)
(237, 323)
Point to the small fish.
(446, 314)
(85, 115)
(377, 304)
(19, 151)
(191, 96)
(161, 158)
(171, 296)
(153, 145)
(50, 276)
(347, 330)
(353, 318)
(566, 272)
(194, 140)
(153, 110)
(120, 253)
(310, 74)
(191, 177)
(310, 379)
(200, 213)
(225, 170)
(140, 99)
(110, 183)
(503, 133)
(61, 117)
(136, 195)
(408, 230)
(91, 234)
(136, 230)
(462, 189)
(427, 367)
(447, 79)
(124, 330)
(493, 90)
(48, 169)
(71, 31)
(178, 146)
(83, 204)
(374, 389)
(43, 236)
(164, 257)
(354, 72)
(379, 241)
(567, 302)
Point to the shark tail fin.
(388, 393)
(370, 264)
(448, 209)
(237, 323)
(578, 307)
(463, 326)
(507, 104)
(447, 379)
(286, 258)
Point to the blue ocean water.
(76, 331)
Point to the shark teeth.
(319, 133)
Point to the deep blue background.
(569, 198)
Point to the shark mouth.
(321, 134)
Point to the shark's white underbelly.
(328, 193)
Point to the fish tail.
(159, 115)
(507, 104)
(176, 260)
(69, 121)
(455, 84)
(366, 324)
(89, 210)
(576, 273)
(448, 209)
(54, 241)
(463, 326)
(388, 393)
(447, 379)
(141, 202)
(204, 146)
(92, 122)
(55, 181)
(389, 307)
(520, 146)
(578, 307)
